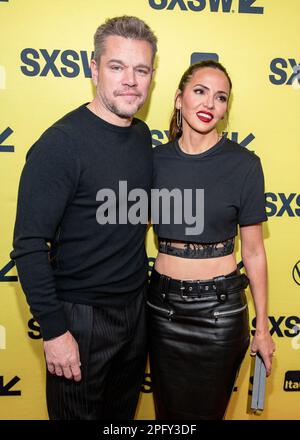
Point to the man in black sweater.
(85, 278)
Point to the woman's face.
(204, 100)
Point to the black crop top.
(230, 184)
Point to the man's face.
(122, 78)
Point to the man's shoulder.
(142, 133)
(140, 125)
(65, 129)
(58, 138)
(70, 121)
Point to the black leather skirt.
(199, 334)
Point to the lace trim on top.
(196, 250)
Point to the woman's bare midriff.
(194, 269)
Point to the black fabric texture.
(233, 183)
(61, 251)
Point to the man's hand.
(62, 356)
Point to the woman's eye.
(199, 91)
(222, 98)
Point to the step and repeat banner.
(45, 50)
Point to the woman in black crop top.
(204, 186)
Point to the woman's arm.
(254, 259)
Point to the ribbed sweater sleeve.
(48, 183)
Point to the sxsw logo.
(285, 71)
(161, 137)
(4, 278)
(280, 204)
(240, 6)
(4, 147)
(282, 326)
(292, 381)
(67, 63)
(6, 389)
(35, 332)
(147, 384)
(197, 57)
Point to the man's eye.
(142, 71)
(116, 67)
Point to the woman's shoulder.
(164, 149)
(239, 151)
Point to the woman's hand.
(264, 344)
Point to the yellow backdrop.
(45, 48)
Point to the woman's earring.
(179, 118)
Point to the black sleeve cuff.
(53, 324)
(252, 221)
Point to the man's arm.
(48, 183)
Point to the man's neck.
(108, 116)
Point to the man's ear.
(94, 71)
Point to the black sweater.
(60, 249)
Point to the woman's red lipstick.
(205, 116)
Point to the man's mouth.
(130, 94)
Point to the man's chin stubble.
(123, 114)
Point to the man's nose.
(129, 77)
